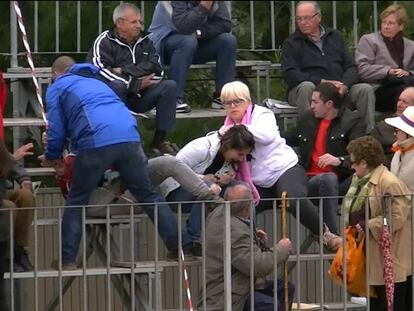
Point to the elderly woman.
(373, 180)
(402, 163)
(274, 165)
(386, 59)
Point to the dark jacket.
(185, 17)
(384, 133)
(4, 216)
(303, 61)
(17, 173)
(346, 126)
(136, 60)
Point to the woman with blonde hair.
(386, 58)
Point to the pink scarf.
(243, 171)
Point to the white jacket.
(198, 154)
(271, 157)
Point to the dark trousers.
(3, 296)
(295, 182)
(161, 96)
(386, 96)
(89, 166)
(263, 298)
(403, 300)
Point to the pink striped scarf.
(243, 171)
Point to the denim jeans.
(180, 51)
(326, 185)
(193, 226)
(129, 159)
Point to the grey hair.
(240, 195)
(316, 6)
(119, 10)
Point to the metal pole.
(334, 19)
(227, 258)
(13, 37)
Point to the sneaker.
(216, 103)
(165, 147)
(21, 258)
(182, 107)
(70, 266)
(331, 240)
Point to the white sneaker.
(217, 104)
(182, 107)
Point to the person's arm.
(195, 153)
(290, 61)
(188, 19)
(20, 175)
(368, 70)
(400, 206)
(56, 130)
(264, 127)
(101, 56)
(350, 76)
(216, 24)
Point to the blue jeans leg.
(222, 49)
(88, 169)
(178, 54)
(193, 227)
(132, 166)
(326, 185)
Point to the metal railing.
(49, 33)
(117, 249)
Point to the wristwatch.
(342, 159)
(198, 33)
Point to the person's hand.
(44, 138)
(341, 88)
(206, 4)
(146, 81)
(286, 243)
(27, 184)
(225, 178)
(328, 159)
(117, 70)
(210, 178)
(47, 163)
(360, 233)
(214, 188)
(398, 72)
(23, 151)
(261, 235)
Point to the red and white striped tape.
(29, 56)
(186, 284)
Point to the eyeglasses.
(236, 102)
(306, 19)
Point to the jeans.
(326, 185)
(193, 226)
(263, 298)
(129, 159)
(160, 96)
(180, 51)
(294, 182)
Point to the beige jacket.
(402, 164)
(240, 261)
(384, 182)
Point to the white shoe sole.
(216, 106)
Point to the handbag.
(355, 264)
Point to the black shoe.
(196, 250)
(21, 257)
(16, 267)
(165, 147)
(65, 266)
(174, 256)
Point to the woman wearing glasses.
(274, 165)
(386, 58)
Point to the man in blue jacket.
(104, 135)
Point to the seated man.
(384, 132)
(104, 134)
(240, 195)
(314, 54)
(194, 32)
(130, 66)
(21, 198)
(323, 135)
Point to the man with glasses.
(314, 54)
(131, 67)
(384, 132)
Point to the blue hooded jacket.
(87, 111)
